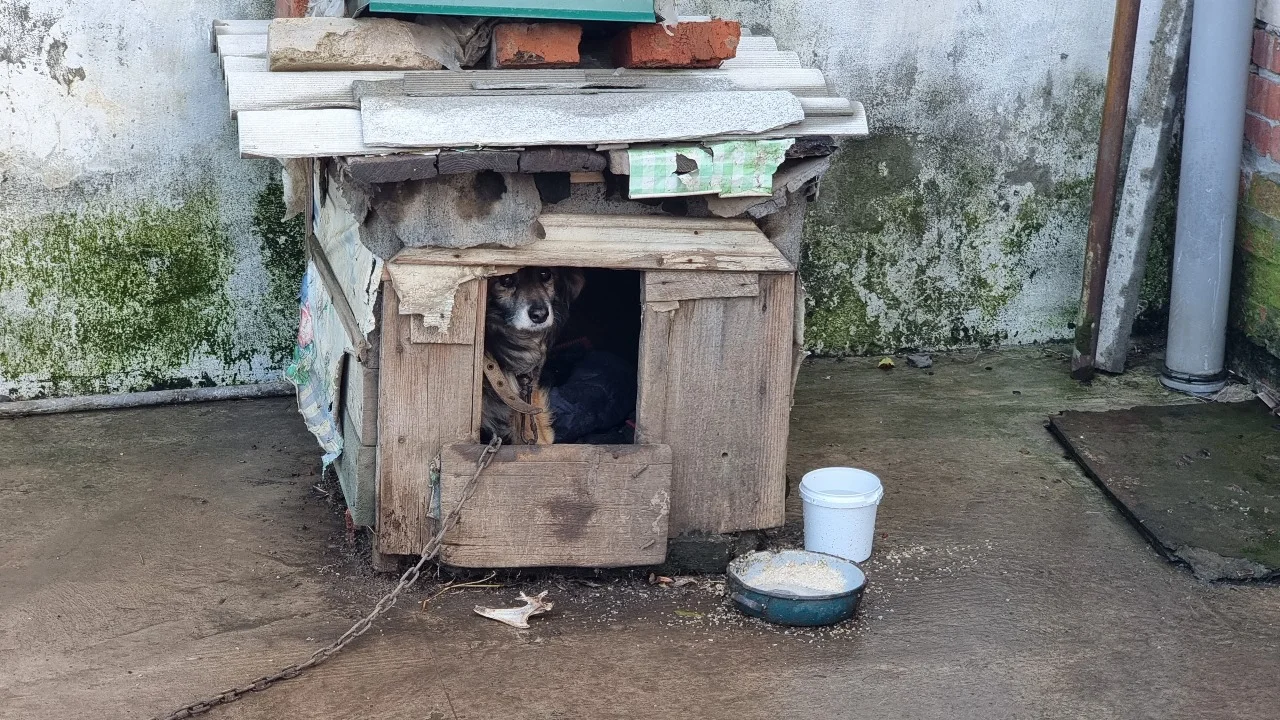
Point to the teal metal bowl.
(798, 588)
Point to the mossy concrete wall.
(136, 249)
(1255, 283)
(962, 221)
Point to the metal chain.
(407, 580)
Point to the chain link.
(407, 581)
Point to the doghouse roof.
(763, 93)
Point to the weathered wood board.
(340, 303)
(392, 168)
(558, 506)
(664, 286)
(715, 377)
(357, 469)
(360, 400)
(425, 399)
(625, 242)
(453, 163)
(462, 323)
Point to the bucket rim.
(868, 495)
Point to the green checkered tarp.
(736, 168)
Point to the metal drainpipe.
(1212, 145)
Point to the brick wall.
(1256, 282)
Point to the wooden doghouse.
(718, 309)
(714, 378)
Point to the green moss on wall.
(282, 244)
(1256, 276)
(133, 292)
(924, 238)
(1153, 296)
(896, 260)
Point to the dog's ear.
(574, 281)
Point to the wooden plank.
(297, 90)
(345, 314)
(723, 368)
(666, 286)
(425, 399)
(462, 324)
(651, 394)
(357, 470)
(562, 159)
(377, 169)
(582, 178)
(813, 146)
(457, 121)
(625, 242)
(303, 133)
(477, 379)
(751, 59)
(360, 400)
(558, 506)
(454, 163)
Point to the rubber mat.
(1202, 482)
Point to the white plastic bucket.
(840, 511)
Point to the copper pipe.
(1106, 178)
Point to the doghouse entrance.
(591, 369)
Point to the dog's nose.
(538, 313)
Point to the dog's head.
(534, 299)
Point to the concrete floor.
(151, 556)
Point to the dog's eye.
(507, 281)
(544, 275)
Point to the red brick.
(291, 8)
(1263, 135)
(535, 45)
(1264, 97)
(694, 45)
(1266, 50)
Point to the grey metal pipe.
(1212, 145)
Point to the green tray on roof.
(615, 10)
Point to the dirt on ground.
(149, 557)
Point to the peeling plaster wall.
(136, 249)
(962, 221)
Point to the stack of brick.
(1256, 282)
(535, 45)
(690, 45)
(703, 44)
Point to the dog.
(526, 311)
